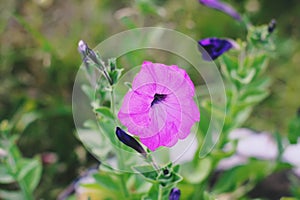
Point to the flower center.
(158, 98)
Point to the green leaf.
(108, 181)
(146, 7)
(207, 196)
(112, 63)
(260, 62)
(197, 172)
(90, 124)
(148, 172)
(108, 130)
(228, 64)
(128, 84)
(105, 112)
(243, 78)
(115, 75)
(89, 91)
(153, 193)
(171, 177)
(95, 142)
(280, 145)
(96, 190)
(30, 172)
(5, 177)
(137, 184)
(129, 23)
(294, 130)
(11, 195)
(253, 171)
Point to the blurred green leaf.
(207, 196)
(153, 193)
(108, 181)
(259, 62)
(253, 171)
(89, 91)
(97, 190)
(146, 7)
(30, 172)
(169, 180)
(129, 23)
(196, 172)
(95, 142)
(10, 195)
(5, 176)
(37, 35)
(105, 112)
(148, 172)
(115, 75)
(294, 130)
(108, 129)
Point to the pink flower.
(160, 108)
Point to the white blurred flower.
(250, 144)
(3, 153)
(257, 145)
(291, 155)
(231, 162)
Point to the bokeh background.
(39, 61)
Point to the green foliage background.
(39, 61)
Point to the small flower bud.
(86, 53)
(82, 48)
(272, 26)
(130, 141)
(174, 194)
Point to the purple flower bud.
(272, 26)
(223, 7)
(82, 47)
(130, 141)
(215, 47)
(86, 53)
(174, 194)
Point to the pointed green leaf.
(108, 181)
(148, 172)
(105, 112)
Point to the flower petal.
(166, 137)
(166, 78)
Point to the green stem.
(160, 193)
(112, 100)
(119, 150)
(123, 183)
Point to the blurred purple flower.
(174, 194)
(160, 108)
(223, 7)
(130, 141)
(215, 47)
(272, 26)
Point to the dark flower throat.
(158, 98)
